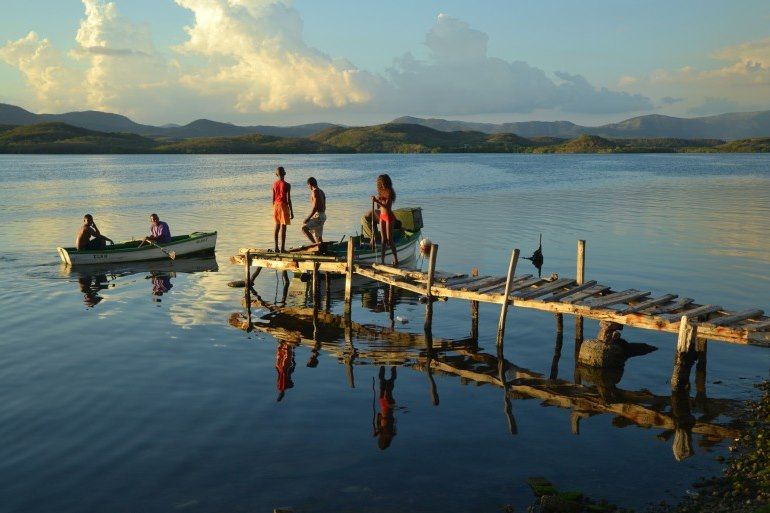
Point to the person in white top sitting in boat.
(313, 226)
(89, 236)
(160, 233)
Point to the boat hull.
(364, 254)
(195, 245)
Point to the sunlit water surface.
(127, 392)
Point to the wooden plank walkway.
(589, 299)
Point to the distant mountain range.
(56, 137)
(738, 125)
(107, 122)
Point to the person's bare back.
(84, 236)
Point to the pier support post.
(475, 314)
(349, 277)
(247, 287)
(506, 299)
(557, 348)
(685, 354)
(316, 285)
(580, 277)
(431, 270)
(701, 349)
(327, 292)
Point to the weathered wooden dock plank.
(615, 298)
(516, 280)
(694, 313)
(670, 307)
(757, 326)
(546, 289)
(736, 317)
(649, 303)
(573, 290)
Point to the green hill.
(582, 144)
(407, 138)
(63, 138)
(246, 144)
(757, 145)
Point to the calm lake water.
(134, 390)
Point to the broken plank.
(727, 320)
(694, 313)
(649, 303)
(546, 289)
(574, 290)
(670, 307)
(613, 299)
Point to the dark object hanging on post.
(537, 256)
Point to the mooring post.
(475, 314)
(506, 298)
(685, 354)
(349, 277)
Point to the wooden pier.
(561, 295)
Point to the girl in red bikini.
(385, 198)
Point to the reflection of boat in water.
(92, 279)
(196, 243)
(675, 415)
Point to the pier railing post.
(685, 354)
(506, 299)
(349, 277)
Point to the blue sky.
(366, 61)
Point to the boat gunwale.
(188, 238)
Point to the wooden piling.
(315, 285)
(247, 287)
(684, 355)
(475, 312)
(580, 276)
(701, 350)
(349, 273)
(327, 292)
(506, 299)
(431, 270)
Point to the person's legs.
(283, 238)
(275, 235)
(383, 239)
(307, 233)
(389, 228)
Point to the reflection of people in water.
(161, 283)
(90, 287)
(385, 421)
(284, 364)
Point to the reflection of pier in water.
(462, 358)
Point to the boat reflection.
(93, 279)
(594, 392)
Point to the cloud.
(627, 80)
(712, 105)
(461, 78)
(669, 100)
(247, 57)
(256, 55)
(54, 84)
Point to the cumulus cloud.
(461, 78)
(54, 84)
(247, 57)
(257, 56)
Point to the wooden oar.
(170, 254)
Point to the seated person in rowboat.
(313, 225)
(89, 237)
(160, 233)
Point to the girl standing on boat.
(385, 198)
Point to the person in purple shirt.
(159, 231)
